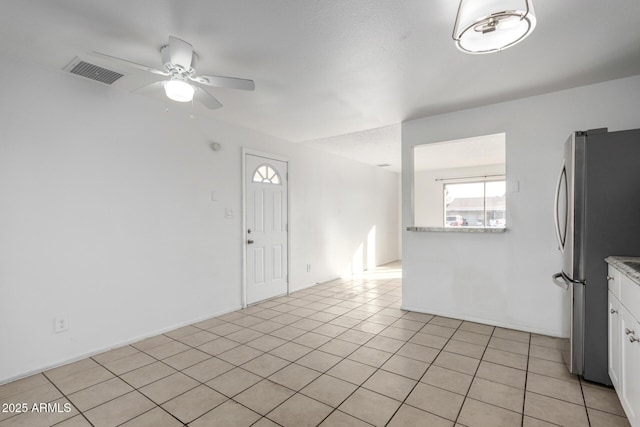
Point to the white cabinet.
(630, 367)
(614, 340)
(624, 342)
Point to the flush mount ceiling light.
(485, 26)
(178, 89)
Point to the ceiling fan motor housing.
(177, 68)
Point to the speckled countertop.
(457, 229)
(622, 263)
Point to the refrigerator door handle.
(561, 283)
(555, 209)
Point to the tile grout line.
(317, 348)
(335, 408)
(406, 341)
(474, 374)
(529, 357)
(526, 379)
(292, 362)
(584, 401)
(70, 401)
(157, 405)
(372, 374)
(427, 370)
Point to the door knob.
(249, 242)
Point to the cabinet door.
(630, 366)
(614, 280)
(615, 335)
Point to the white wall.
(506, 278)
(428, 191)
(335, 204)
(106, 216)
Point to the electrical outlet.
(60, 324)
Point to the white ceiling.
(380, 146)
(328, 68)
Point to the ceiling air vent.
(92, 71)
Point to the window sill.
(455, 229)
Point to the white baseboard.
(303, 287)
(491, 322)
(113, 346)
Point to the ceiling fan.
(178, 63)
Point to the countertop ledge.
(619, 263)
(456, 229)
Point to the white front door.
(266, 227)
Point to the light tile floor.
(341, 353)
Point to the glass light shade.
(485, 26)
(179, 90)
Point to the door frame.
(243, 233)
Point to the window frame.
(265, 179)
(484, 204)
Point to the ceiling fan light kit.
(486, 26)
(177, 89)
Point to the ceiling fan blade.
(180, 52)
(152, 89)
(206, 99)
(128, 63)
(220, 81)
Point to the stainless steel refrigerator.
(597, 214)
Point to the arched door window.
(265, 174)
